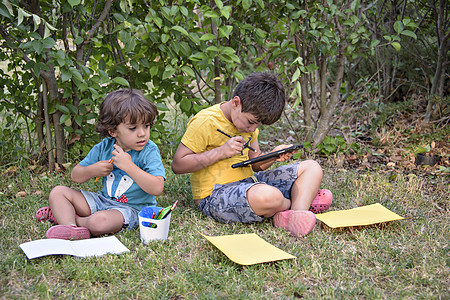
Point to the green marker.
(163, 213)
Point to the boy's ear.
(112, 133)
(236, 101)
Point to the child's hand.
(285, 156)
(104, 167)
(121, 158)
(233, 146)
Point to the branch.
(102, 17)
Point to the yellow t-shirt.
(201, 135)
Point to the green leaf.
(75, 73)
(185, 105)
(246, 4)
(162, 107)
(396, 46)
(158, 21)
(211, 14)
(398, 26)
(65, 76)
(64, 118)
(79, 120)
(168, 72)
(296, 75)
(409, 33)
(119, 17)
(121, 81)
(238, 75)
(154, 70)
(355, 4)
(74, 2)
(225, 31)
(78, 40)
(208, 37)
(261, 4)
(36, 21)
(226, 12)
(212, 49)
(20, 14)
(425, 149)
(184, 11)
(63, 109)
(197, 56)
(5, 12)
(180, 29)
(188, 70)
(164, 38)
(260, 33)
(298, 90)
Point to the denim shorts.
(228, 202)
(98, 203)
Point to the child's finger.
(118, 148)
(239, 139)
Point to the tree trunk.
(217, 94)
(52, 85)
(327, 112)
(306, 102)
(48, 129)
(39, 119)
(443, 48)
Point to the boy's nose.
(141, 132)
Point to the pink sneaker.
(68, 232)
(321, 202)
(45, 214)
(297, 222)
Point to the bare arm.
(187, 161)
(82, 174)
(149, 183)
(262, 165)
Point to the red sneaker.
(297, 222)
(68, 232)
(321, 202)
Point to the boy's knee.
(57, 192)
(310, 166)
(266, 197)
(101, 223)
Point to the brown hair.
(125, 105)
(262, 95)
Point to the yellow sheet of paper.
(360, 216)
(247, 249)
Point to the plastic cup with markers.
(154, 222)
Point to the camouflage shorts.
(228, 202)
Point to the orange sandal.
(45, 214)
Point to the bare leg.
(102, 222)
(65, 203)
(266, 200)
(307, 184)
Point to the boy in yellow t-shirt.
(290, 194)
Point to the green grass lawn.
(401, 259)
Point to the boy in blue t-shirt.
(128, 161)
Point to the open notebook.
(81, 248)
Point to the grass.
(401, 259)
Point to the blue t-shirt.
(118, 185)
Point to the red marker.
(173, 206)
